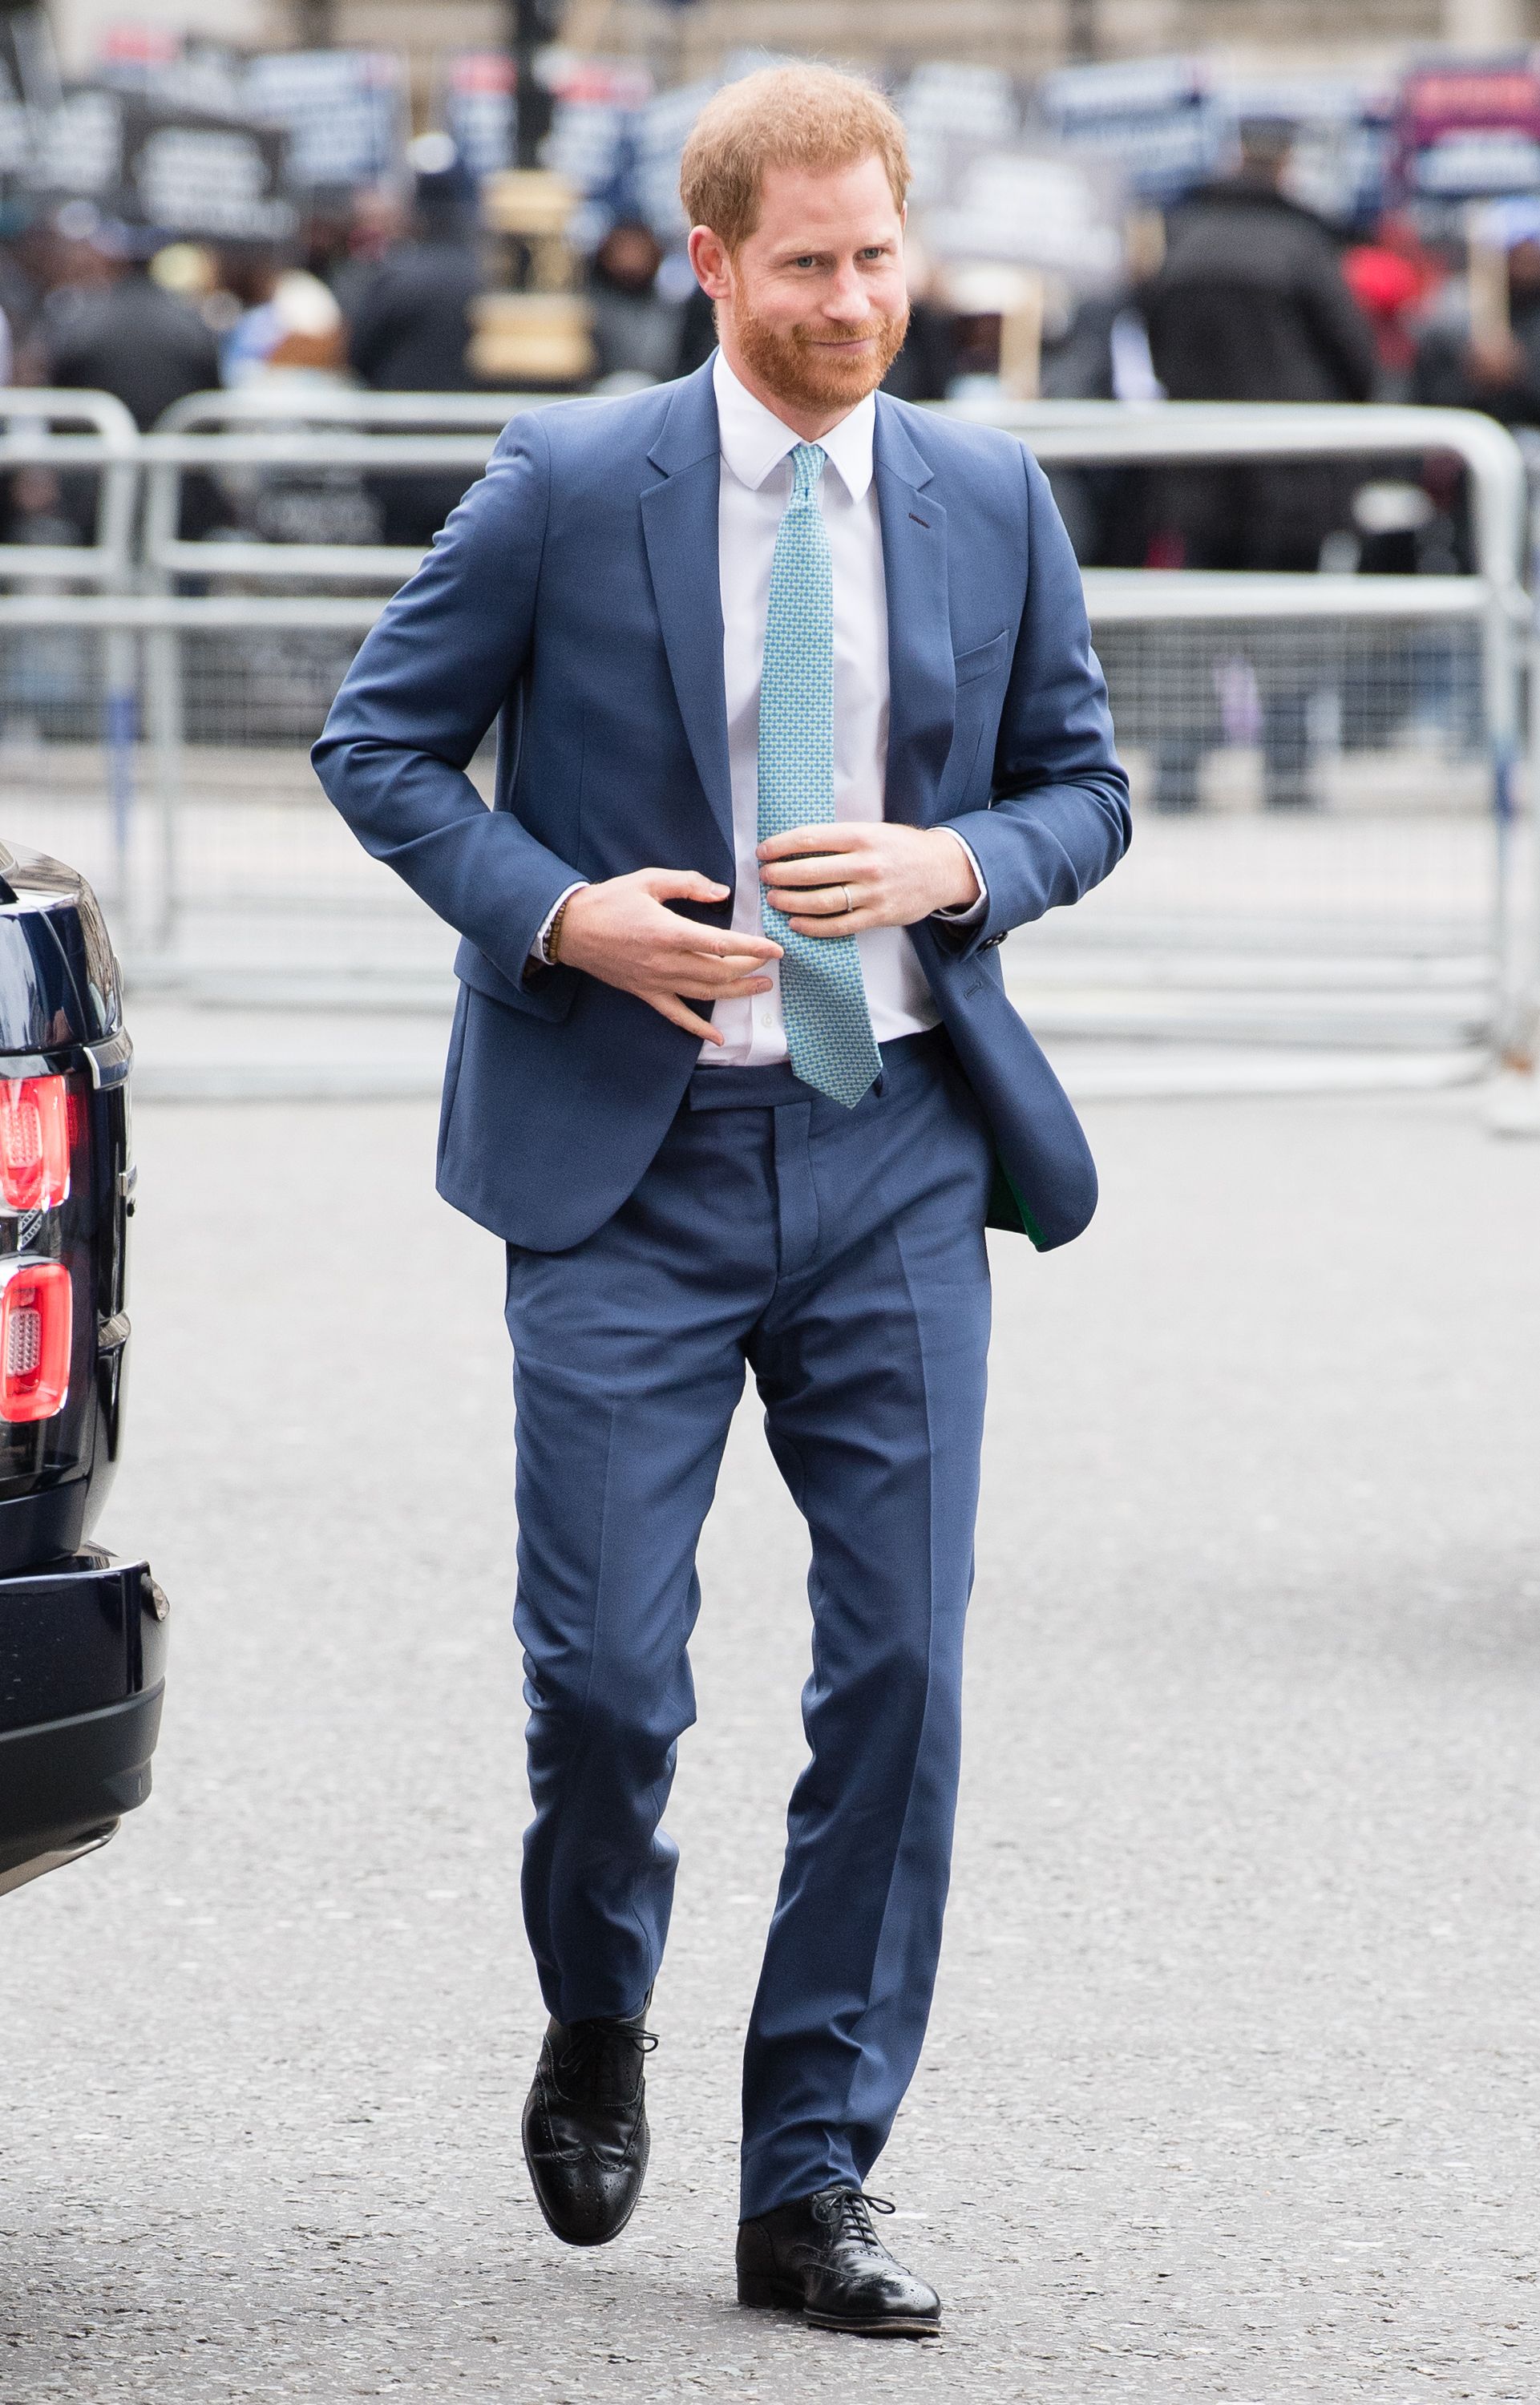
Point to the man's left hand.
(841, 879)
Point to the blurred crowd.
(1245, 295)
(1237, 292)
(1255, 298)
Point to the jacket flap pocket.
(549, 995)
(979, 662)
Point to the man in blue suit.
(797, 717)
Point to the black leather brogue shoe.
(585, 2127)
(823, 2256)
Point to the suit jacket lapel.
(679, 527)
(922, 677)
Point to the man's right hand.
(622, 931)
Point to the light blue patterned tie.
(828, 1026)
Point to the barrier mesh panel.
(1313, 804)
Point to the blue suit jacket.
(574, 597)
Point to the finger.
(668, 1006)
(711, 943)
(718, 977)
(682, 885)
(706, 986)
(826, 901)
(693, 972)
(832, 929)
(831, 838)
(751, 951)
(810, 871)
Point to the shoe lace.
(588, 2043)
(847, 2212)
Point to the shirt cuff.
(540, 954)
(964, 914)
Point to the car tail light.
(35, 1132)
(36, 1318)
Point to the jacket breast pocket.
(984, 657)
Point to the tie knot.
(809, 461)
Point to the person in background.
(19, 294)
(635, 330)
(290, 322)
(1495, 369)
(1101, 352)
(123, 333)
(325, 243)
(68, 257)
(12, 487)
(380, 221)
(1250, 303)
(410, 324)
(112, 328)
(1392, 277)
(926, 366)
(45, 264)
(410, 327)
(116, 330)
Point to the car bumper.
(82, 1656)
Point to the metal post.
(1526, 1040)
(163, 695)
(1530, 1030)
(1080, 32)
(1501, 656)
(528, 32)
(121, 727)
(1519, 1113)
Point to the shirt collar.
(755, 440)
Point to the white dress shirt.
(756, 487)
(755, 490)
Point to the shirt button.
(766, 1018)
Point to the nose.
(847, 302)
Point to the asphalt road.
(1234, 2087)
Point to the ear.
(710, 259)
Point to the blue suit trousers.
(841, 1255)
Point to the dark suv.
(82, 1635)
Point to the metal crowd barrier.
(69, 463)
(299, 403)
(294, 428)
(1327, 767)
(301, 433)
(1355, 745)
(86, 437)
(298, 459)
